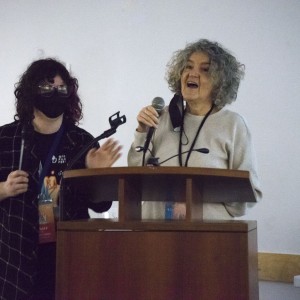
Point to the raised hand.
(105, 156)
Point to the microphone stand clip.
(115, 121)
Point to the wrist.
(2, 192)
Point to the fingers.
(116, 154)
(17, 177)
(148, 116)
(16, 183)
(92, 151)
(113, 150)
(109, 145)
(105, 156)
(18, 173)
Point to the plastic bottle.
(169, 207)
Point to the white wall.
(118, 50)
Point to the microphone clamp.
(153, 161)
(139, 148)
(115, 120)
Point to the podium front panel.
(205, 260)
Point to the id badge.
(47, 230)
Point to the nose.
(194, 72)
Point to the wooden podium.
(134, 259)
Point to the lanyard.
(195, 138)
(49, 156)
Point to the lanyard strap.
(52, 150)
(195, 138)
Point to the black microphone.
(155, 160)
(158, 103)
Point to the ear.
(175, 111)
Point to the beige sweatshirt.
(225, 134)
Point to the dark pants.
(44, 288)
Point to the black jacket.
(19, 215)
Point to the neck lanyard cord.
(49, 155)
(195, 138)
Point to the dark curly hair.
(26, 90)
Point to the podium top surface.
(216, 185)
(155, 225)
(184, 171)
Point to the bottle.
(169, 207)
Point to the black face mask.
(52, 107)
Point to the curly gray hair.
(225, 71)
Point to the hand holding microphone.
(148, 116)
(15, 184)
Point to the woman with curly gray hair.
(224, 71)
(205, 78)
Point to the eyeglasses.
(47, 90)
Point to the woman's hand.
(15, 184)
(105, 156)
(147, 117)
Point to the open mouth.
(192, 85)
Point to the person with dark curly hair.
(34, 151)
(205, 77)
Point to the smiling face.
(196, 82)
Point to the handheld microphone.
(26, 136)
(158, 103)
(22, 148)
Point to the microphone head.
(158, 103)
